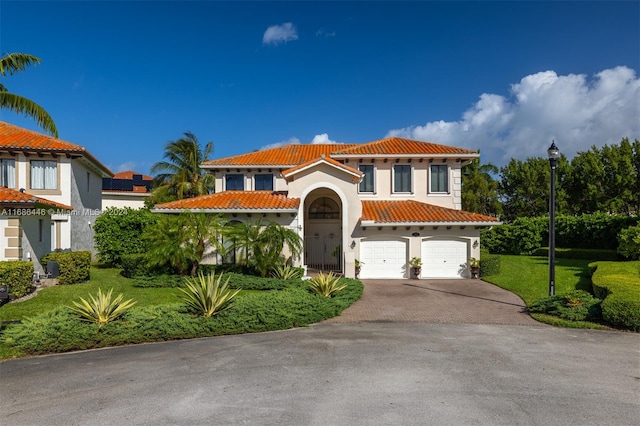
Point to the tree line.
(605, 180)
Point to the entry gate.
(323, 253)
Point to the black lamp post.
(553, 153)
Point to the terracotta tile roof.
(283, 156)
(234, 201)
(356, 174)
(14, 138)
(16, 199)
(128, 175)
(409, 211)
(400, 146)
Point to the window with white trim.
(368, 180)
(7, 173)
(234, 182)
(44, 174)
(263, 182)
(402, 178)
(439, 178)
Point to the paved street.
(339, 374)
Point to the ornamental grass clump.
(205, 295)
(103, 308)
(287, 272)
(326, 285)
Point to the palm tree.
(9, 65)
(180, 176)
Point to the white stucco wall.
(122, 200)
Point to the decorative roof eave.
(366, 223)
(220, 211)
(453, 155)
(356, 175)
(245, 166)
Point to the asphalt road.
(339, 374)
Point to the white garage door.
(383, 259)
(443, 258)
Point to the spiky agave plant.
(206, 295)
(326, 285)
(286, 272)
(102, 308)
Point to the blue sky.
(124, 78)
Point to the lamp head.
(553, 152)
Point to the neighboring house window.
(234, 182)
(367, 184)
(44, 174)
(439, 178)
(8, 173)
(264, 182)
(402, 178)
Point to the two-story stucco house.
(50, 194)
(382, 203)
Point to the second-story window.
(8, 173)
(367, 184)
(44, 174)
(439, 178)
(234, 182)
(402, 178)
(264, 182)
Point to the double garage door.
(388, 258)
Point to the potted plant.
(416, 266)
(474, 267)
(358, 263)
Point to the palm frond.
(24, 106)
(15, 62)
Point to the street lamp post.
(553, 153)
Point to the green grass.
(105, 278)
(528, 276)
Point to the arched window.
(324, 208)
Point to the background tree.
(9, 65)
(180, 175)
(524, 187)
(480, 189)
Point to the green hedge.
(489, 264)
(61, 330)
(579, 253)
(118, 232)
(244, 282)
(618, 283)
(74, 265)
(18, 276)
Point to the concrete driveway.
(460, 301)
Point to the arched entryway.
(323, 231)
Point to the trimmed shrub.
(74, 265)
(59, 330)
(618, 283)
(579, 253)
(489, 264)
(134, 265)
(159, 281)
(17, 275)
(577, 305)
(118, 232)
(629, 242)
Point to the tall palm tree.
(9, 65)
(180, 175)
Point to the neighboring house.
(50, 194)
(126, 189)
(381, 202)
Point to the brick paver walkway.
(462, 301)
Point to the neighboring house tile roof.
(128, 175)
(282, 156)
(16, 199)
(230, 201)
(400, 146)
(356, 174)
(409, 211)
(15, 138)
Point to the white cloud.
(322, 138)
(325, 33)
(575, 111)
(290, 141)
(124, 167)
(277, 34)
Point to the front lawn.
(48, 327)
